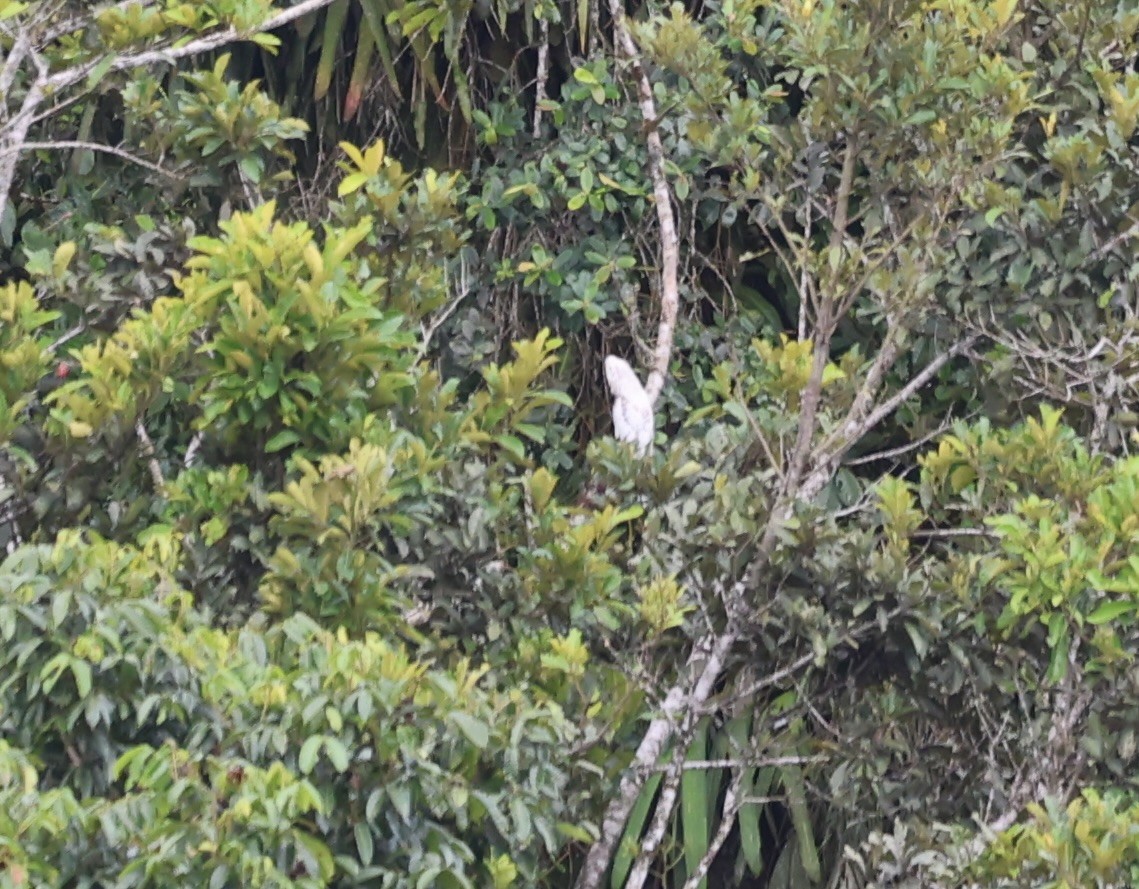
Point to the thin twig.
(59, 144)
(902, 450)
(13, 132)
(838, 443)
(151, 458)
(66, 337)
(441, 318)
(943, 533)
(1130, 232)
(700, 765)
(924, 376)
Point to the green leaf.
(268, 42)
(350, 183)
(1110, 611)
(400, 795)
(81, 670)
(1058, 662)
(281, 440)
(62, 258)
(306, 759)
(364, 845)
(477, 731)
(252, 167)
(921, 644)
(801, 820)
(512, 444)
(696, 786)
(631, 839)
(575, 833)
(628, 514)
(337, 753)
(755, 784)
(334, 21)
(100, 71)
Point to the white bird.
(632, 407)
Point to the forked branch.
(44, 85)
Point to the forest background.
(322, 567)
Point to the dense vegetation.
(322, 566)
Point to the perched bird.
(632, 408)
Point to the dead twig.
(14, 131)
(58, 144)
(151, 457)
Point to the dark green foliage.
(320, 569)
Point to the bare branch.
(216, 40)
(854, 427)
(151, 458)
(430, 331)
(842, 196)
(662, 815)
(883, 361)
(703, 668)
(949, 533)
(703, 765)
(14, 132)
(1127, 234)
(20, 49)
(907, 448)
(543, 75)
(927, 373)
(192, 450)
(60, 144)
(67, 337)
(662, 198)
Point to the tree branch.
(543, 75)
(666, 803)
(733, 801)
(151, 458)
(842, 197)
(892, 403)
(702, 669)
(662, 198)
(13, 132)
(58, 144)
(856, 427)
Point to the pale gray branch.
(702, 670)
(192, 450)
(543, 75)
(13, 133)
(662, 815)
(62, 144)
(926, 374)
(662, 198)
(151, 458)
(855, 427)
